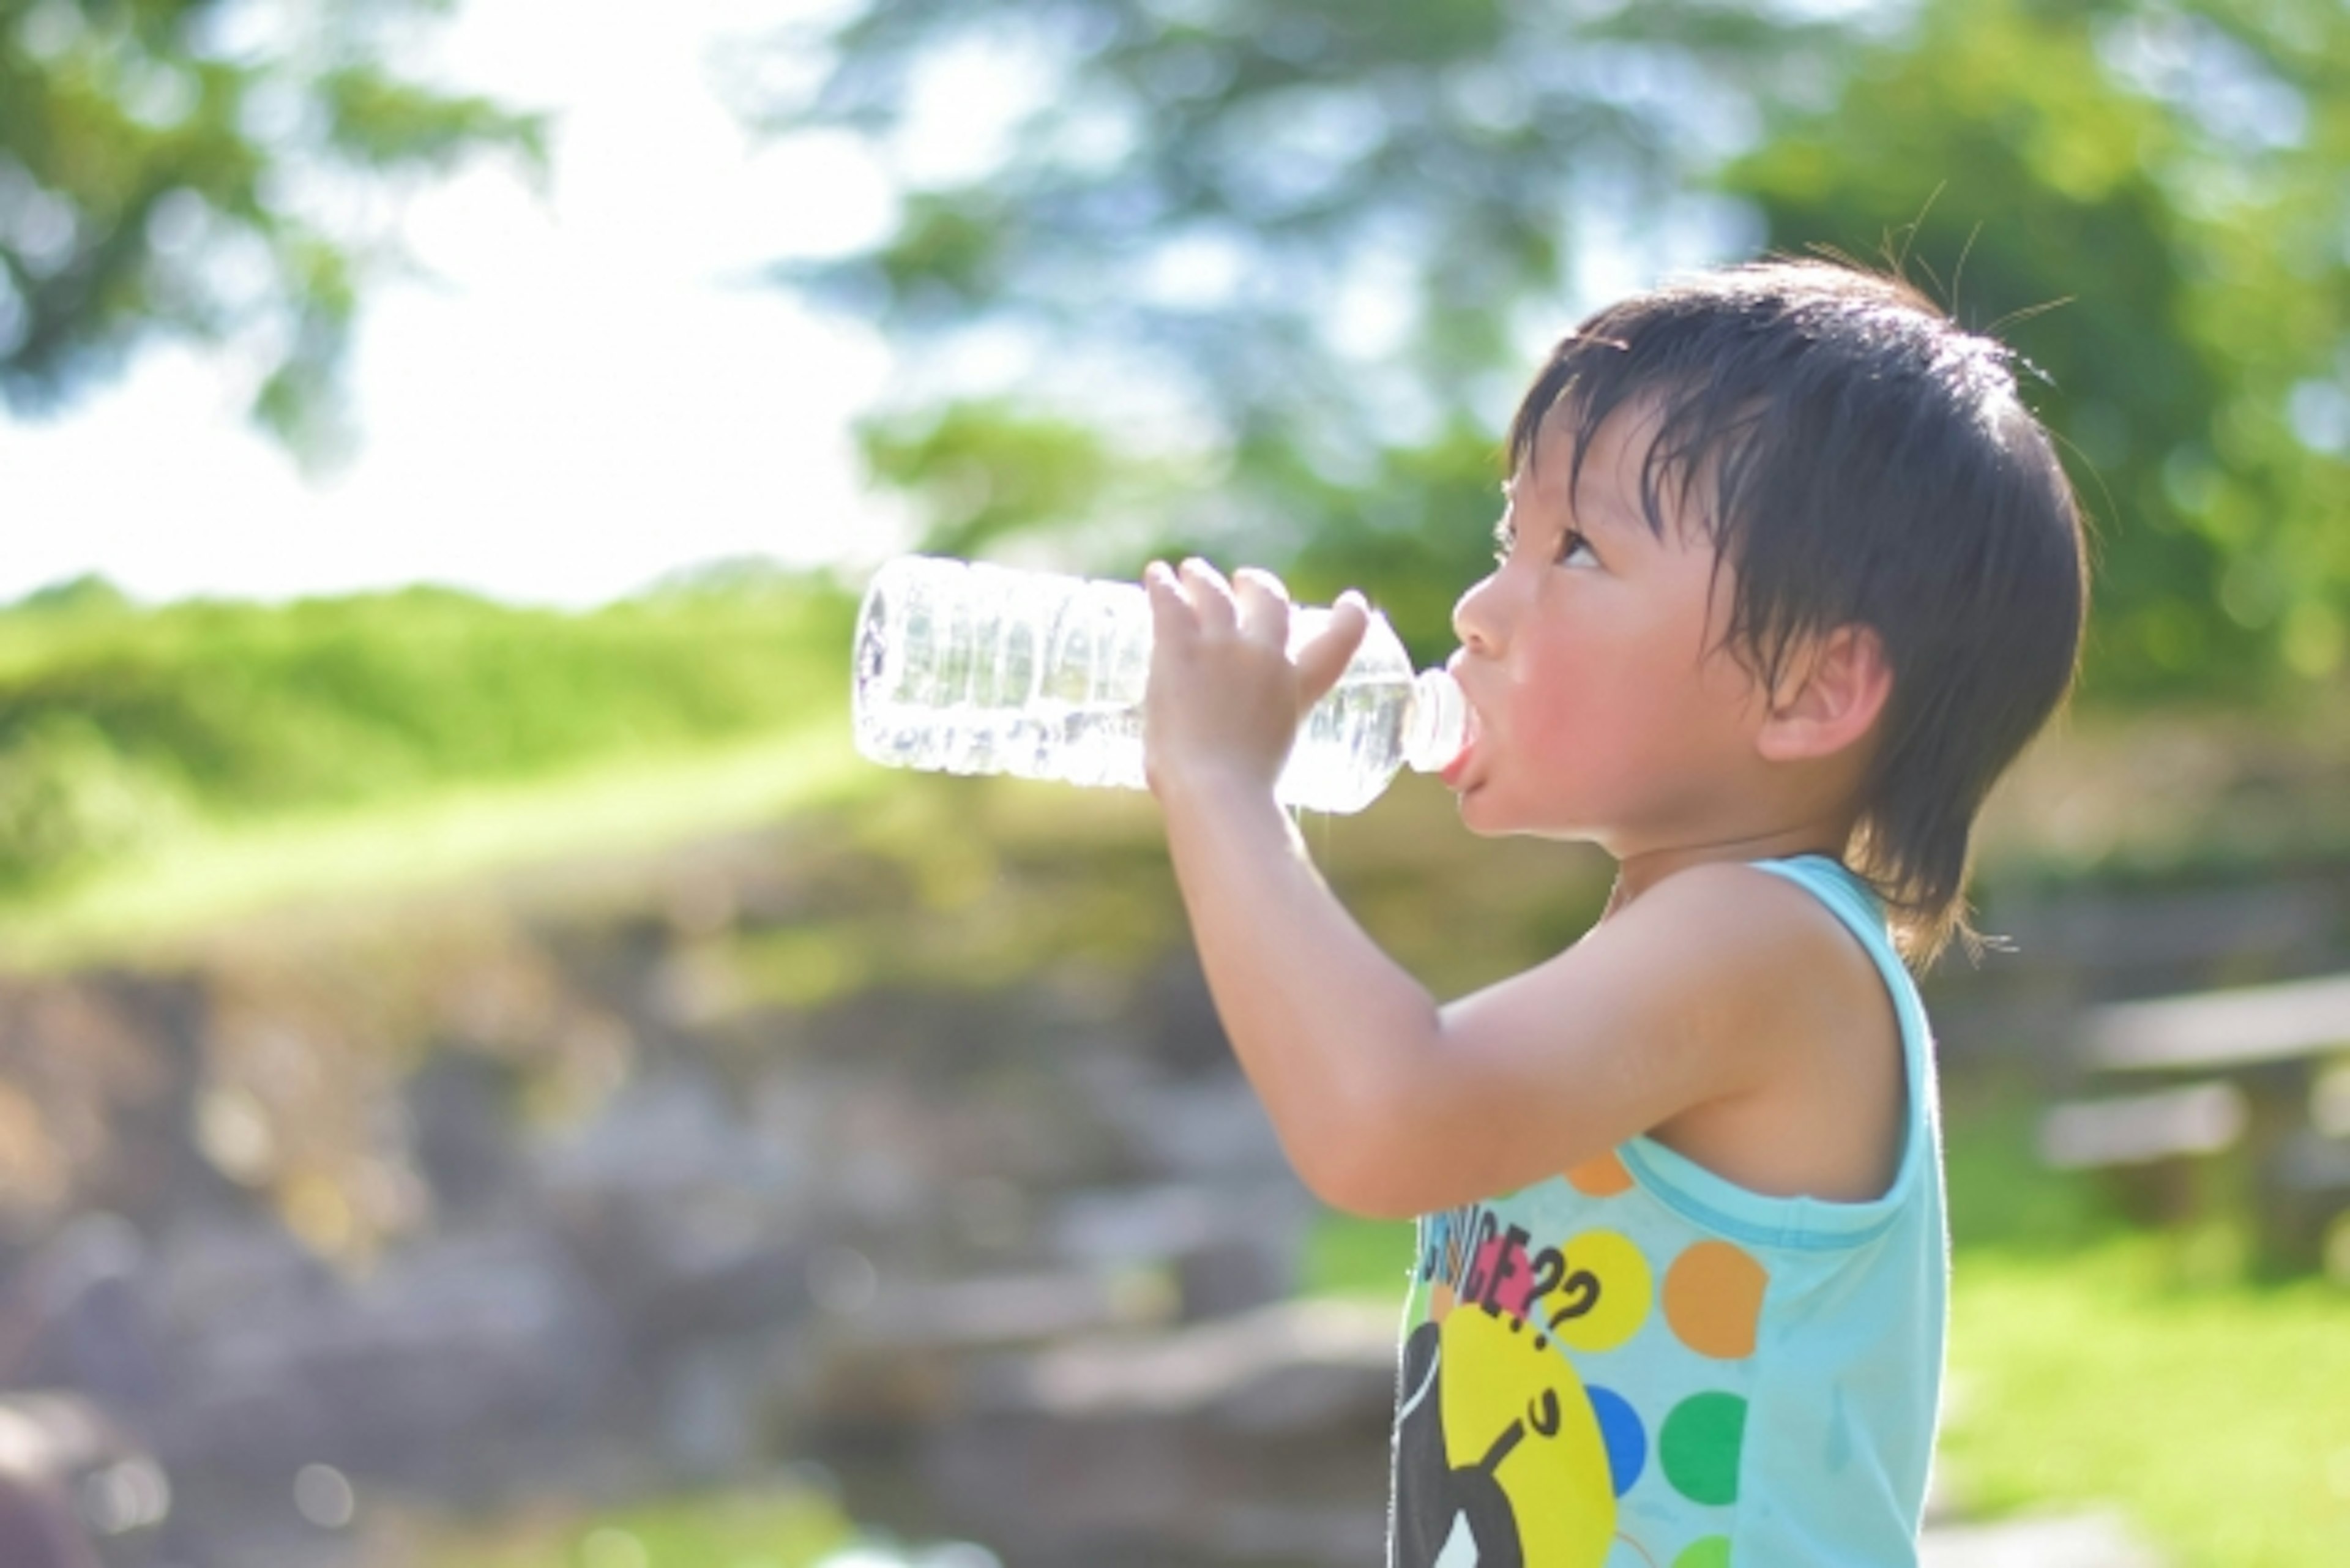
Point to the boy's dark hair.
(1857, 459)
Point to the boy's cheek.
(1561, 726)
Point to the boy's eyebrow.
(1610, 510)
(1609, 513)
(1609, 518)
(1606, 518)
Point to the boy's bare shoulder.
(1715, 1009)
(1792, 992)
(1755, 969)
(1750, 920)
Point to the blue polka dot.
(1620, 1429)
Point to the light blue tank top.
(1641, 1365)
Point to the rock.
(430, 1371)
(461, 1112)
(1234, 1244)
(76, 1490)
(80, 1312)
(1260, 1438)
(1284, 1365)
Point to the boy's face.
(1605, 708)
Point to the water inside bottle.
(984, 669)
(970, 668)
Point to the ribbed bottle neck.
(1436, 725)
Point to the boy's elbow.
(1366, 1199)
(1350, 1162)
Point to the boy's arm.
(1385, 1102)
(1324, 1023)
(1389, 1105)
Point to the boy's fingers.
(1209, 594)
(1321, 662)
(1263, 607)
(1171, 610)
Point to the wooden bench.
(2261, 1073)
(2150, 1145)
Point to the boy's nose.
(1476, 616)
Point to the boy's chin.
(1486, 817)
(1476, 820)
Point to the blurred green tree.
(214, 168)
(1264, 280)
(2148, 201)
(1258, 278)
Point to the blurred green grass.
(782, 1528)
(2093, 1363)
(2211, 1412)
(162, 768)
(145, 901)
(247, 708)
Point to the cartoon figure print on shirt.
(1512, 1424)
(1511, 1453)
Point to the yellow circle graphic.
(1600, 1293)
(1518, 1413)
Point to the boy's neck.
(1638, 872)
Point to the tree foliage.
(1271, 274)
(216, 169)
(1277, 258)
(2146, 202)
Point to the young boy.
(1788, 576)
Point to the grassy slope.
(150, 897)
(160, 770)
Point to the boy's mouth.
(1455, 770)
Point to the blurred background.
(488, 1079)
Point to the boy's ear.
(1829, 698)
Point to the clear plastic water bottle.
(966, 667)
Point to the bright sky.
(587, 397)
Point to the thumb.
(1323, 659)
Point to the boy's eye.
(1573, 549)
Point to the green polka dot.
(1699, 1444)
(1713, 1551)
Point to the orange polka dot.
(1602, 1178)
(1713, 1299)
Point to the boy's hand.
(1225, 696)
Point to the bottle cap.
(1436, 725)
